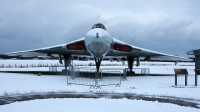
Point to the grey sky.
(168, 26)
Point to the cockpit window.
(99, 25)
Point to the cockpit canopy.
(99, 25)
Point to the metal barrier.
(74, 72)
(144, 71)
(105, 77)
(110, 77)
(114, 72)
(89, 77)
(52, 69)
(73, 76)
(87, 69)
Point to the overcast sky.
(167, 26)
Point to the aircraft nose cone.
(97, 48)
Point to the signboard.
(197, 71)
(196, 52)
(180, 71)
(190, 53)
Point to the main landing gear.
(67, 61)
(131, 63)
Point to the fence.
(74, 77)
(85, 69)
(106, 76)
(110, 77)
(52, 69)
(143, 71)
(89, 77)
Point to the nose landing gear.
(98, 63)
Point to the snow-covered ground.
(11, 83)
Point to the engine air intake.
(76, 46)
(124, 48)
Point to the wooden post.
(186, 79)
(197, 72)
(175, 79)
(196, 79)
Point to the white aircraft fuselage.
(98, 42)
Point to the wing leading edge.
(122, 49)
(76, 47)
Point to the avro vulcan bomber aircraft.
(99, 44)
